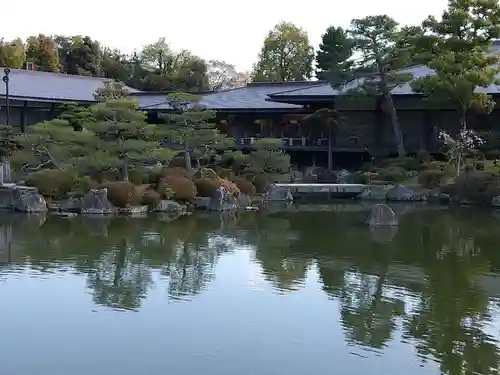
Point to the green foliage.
(333, 59)
(190, 125)
(376, 41)
(260, 180)
(51, 183)
(477, 187)
(286, 55)
(12, 53)
(392, 174)
(42, 51)
(460, 55)
(431, 178)
(79, 55)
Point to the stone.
(401, 193)
(495, 201)
(168, 206)
(436, 195)
(133, 210)
(344, 177)
(374, 193)
(64, 214)
(279, 194)
(96, 202)
(244, 200)
(223, 200)
(201, 203)
(30, 201)
(71, 205)
(381, 215)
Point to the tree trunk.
(389, 106)
(330, 150)
(463, 126)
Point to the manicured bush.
(479, 166)
(435, 165)
(392, 174)
(137, 176)
(226, 173)
(177, 187)
(245, 186)
(176, 171)
(206, 187)
(51, 183)
(406, 163)
(477, 187)
(230, 186)
(150, 197)
(431, 178)
(260, 180)
(122, 193)
(423, 156)
(492, 154)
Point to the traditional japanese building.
(261, 110)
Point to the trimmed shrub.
(492, 154)
(206, 187)
(476, 187)
(423, 156)
(230, 186)
(406, 163)
(260, 180)
(245, 186)
(176, 171)
(431, 178)
(392, 174)
(122, 193)
(479, 166)
(150, 197)
(137, 176)
(226, 173)
(51, 183)
(177, 187)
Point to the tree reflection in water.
(424, 283)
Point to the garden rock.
(381, 215)
(401, 193)
(495, 202)
(344, 177)
(374, 193)
(133, 210)
(223, 200)
(279, 194)
(168, 206)
(201, 203)
(96, 202)
(30, 201)
(71, 205)
(244, 200)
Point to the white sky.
(227, 30)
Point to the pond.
(298, 291)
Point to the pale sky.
(227, 30)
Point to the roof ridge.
(58, 74)
(298, 89)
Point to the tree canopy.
(333, 59)
(286, 55)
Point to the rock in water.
(96, 202)
(401, 193)
(374, 193)
(31, 201)
(223, 200)
(382, 215)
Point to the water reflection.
(433, 283)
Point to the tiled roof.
(32, 85)
(252, 96)
(320, 89)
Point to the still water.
(308, 291)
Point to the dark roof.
(44, 86)
(253, 96)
